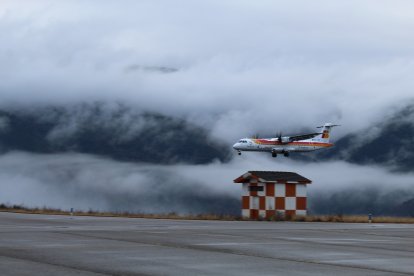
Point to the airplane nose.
(235, 146)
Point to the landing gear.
(274, 154)
(286, 154)
(239, 152)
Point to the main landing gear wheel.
(274, 154)
(286, 154)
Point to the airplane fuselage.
(286, 144)
(274, 145)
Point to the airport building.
(269, 194)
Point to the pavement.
(64, 245)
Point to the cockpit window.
(242, 141)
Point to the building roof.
(272, 176)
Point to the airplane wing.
(302, 137)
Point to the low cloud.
(4, 124)
(86, 182)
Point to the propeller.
(279, 137)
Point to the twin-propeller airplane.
(286, 144)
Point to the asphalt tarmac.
(63, 245)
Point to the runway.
(63, 245)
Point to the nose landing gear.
(239, 152)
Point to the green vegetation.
(52, 211)
(353, 219)
(325, 218)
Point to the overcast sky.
(279, 65)
(235, 67)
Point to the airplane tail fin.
(325, 133)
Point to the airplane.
(286, 144)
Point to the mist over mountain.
(370, 198)
(59, 149)
(87, 182)
(123, 133)
(388, 143)
(123, 106)
(114, 131)
(66, 143)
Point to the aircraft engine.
(285, 140)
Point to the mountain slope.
(113, 131)
(389, 143)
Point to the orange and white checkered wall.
(269, 198)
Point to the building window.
(255, 188)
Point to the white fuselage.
(274, 145)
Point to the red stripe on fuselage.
(298, 143)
